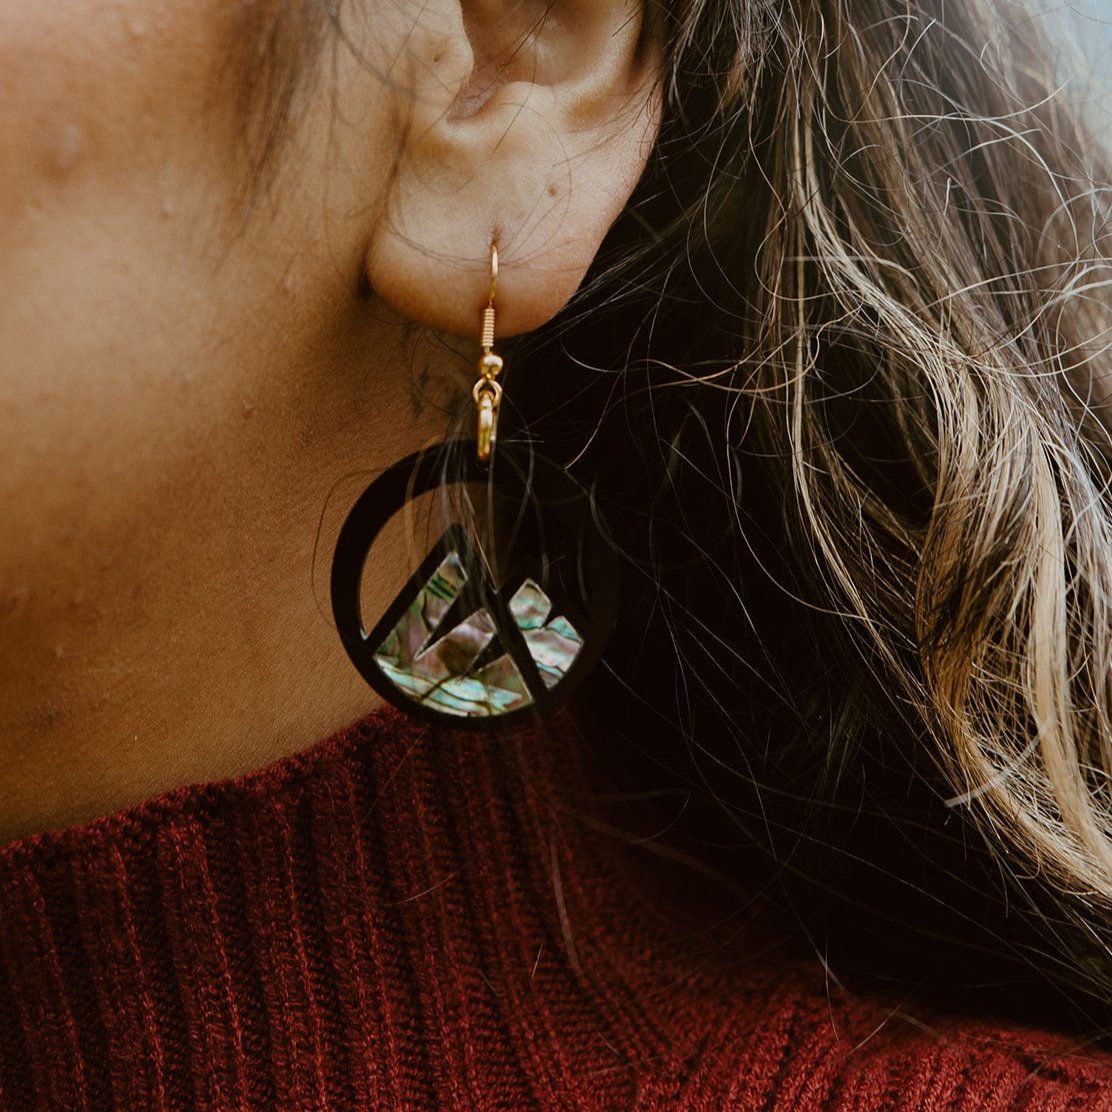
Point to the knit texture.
(400, 918)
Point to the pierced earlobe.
(547, 151)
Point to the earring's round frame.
(547, 493)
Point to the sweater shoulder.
(793, 1038)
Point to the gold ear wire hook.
(486, 392)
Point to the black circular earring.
(512, 604)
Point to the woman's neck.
(184, 634)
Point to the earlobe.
(527, 124)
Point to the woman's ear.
(526, 123)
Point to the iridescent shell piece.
(553, 645)
(440, 671)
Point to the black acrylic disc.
(512, 604)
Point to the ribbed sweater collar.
(405, 918)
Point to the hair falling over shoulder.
(854, 349)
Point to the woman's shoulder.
(793, 1038)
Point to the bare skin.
(185, 378)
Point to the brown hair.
(861, 313)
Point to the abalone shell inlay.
(438, 672)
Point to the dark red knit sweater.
(399, 918)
